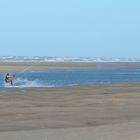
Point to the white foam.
(65, 59)
(19, 82)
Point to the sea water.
(65, 78)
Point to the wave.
(65, 59)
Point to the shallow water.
(72, 78)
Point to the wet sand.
(96, 112)
(44, 66)
(84, 112)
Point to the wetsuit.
(8, 80)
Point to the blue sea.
(66, 78)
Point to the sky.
(70, 28)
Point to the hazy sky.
(71, 28)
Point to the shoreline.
(45, 66)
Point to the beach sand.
(96, 112)
(44, 66)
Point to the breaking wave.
(65, 59)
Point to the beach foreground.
(96, 112)
(100, 112)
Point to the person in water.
(8, 78)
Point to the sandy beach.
(44, 66)
(95, 112)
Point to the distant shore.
(44, 66)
